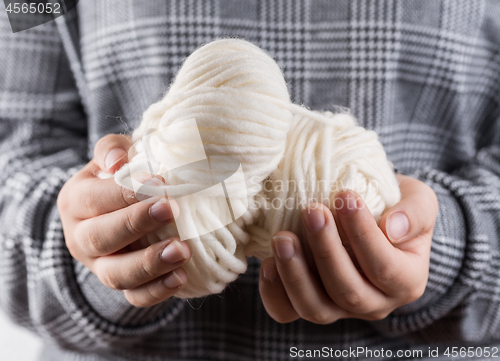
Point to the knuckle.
(62, 198)
(89, 201)
(134, 301)
(72, 248)
(431, 204)
(352, 301)
(73, 242)
(319, 318)
(361, 235)
(387, 275)
(95, 246)
(281, 318)
(154, 296)
(148, 262)
(415, 293)
(131, 225)
(377, 315)
(294, 280)
(111, 281)
(427, 188)
(434, 202)
(324, 254)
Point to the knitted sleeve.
(43, 141)
(461, 301)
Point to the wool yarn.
(229, 143)
(321, 159)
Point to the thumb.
(414, 215)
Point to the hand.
(103, 221)
(393, 259)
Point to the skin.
(104, 226)
(382, 274)
(347, 267)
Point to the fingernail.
(173, 253)
(113, 157)
(270, 272)
(314, 219)
(284, 248)
(162, 211)
(173, 280)
(346, 203)
(398, 226)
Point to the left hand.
(390, 266)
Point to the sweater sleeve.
(461, 301)
(43, 142)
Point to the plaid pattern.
(424, 74)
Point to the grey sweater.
(424, 74)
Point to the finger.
(273, 293)
(388, 268)
(95, 197)
(342, 281)
(414, 215)
(345, 242)
(158, 290)
(304, 290)
(108, 233)
(110, 152)
(132, 269)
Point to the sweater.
(425, 75)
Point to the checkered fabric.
(424, 74)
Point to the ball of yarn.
(224, 137)
(323, 156)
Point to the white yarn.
(322, 158)
(235, 96)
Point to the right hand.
(103, 221)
